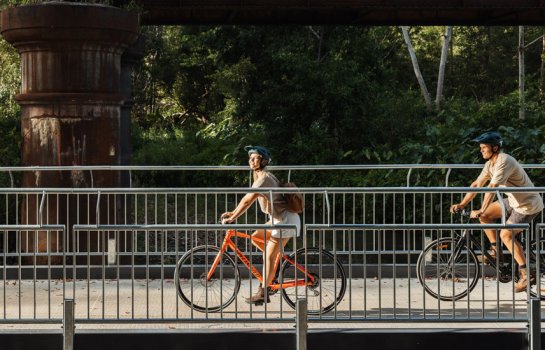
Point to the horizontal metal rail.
(290, 168)
(115, 250)
(415, 226)
(43, 227)
(245, 167)
(172, 227)
(232, 190)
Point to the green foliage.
(10, 138)
(316, 95)
(332, 95)
(234, 81)
(157, 146)
(133, 5)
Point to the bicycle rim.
(330, 280)
(446, 276)
(200, 293)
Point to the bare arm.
(468, 197)
(243, 205)
(488, 198)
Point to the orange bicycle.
(208, 279)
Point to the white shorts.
(288, 218)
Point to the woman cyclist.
(259, 158)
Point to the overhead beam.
(348, 12)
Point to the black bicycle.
(449, 269)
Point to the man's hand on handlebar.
(475, 214)
(459, 209)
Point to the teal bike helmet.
(262, 151)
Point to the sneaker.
(484, 259)
(520, 286)
(260, 297)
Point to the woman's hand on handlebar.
(226, 218)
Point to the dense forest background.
(320, 95)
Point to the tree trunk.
(541, 68)
(442, 65)
(521, 73)
(320, 36)
(416, 68)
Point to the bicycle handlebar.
(463, 212)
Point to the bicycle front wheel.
(446, 273)
(329, 285)
(199, 292)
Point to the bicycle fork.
(458, 245)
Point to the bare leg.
(270, 254)
(514, 246)
(260, 235)
(492, 213)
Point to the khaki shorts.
(517, 218)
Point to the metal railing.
(204, 206)
(114, 251)
(88, 172)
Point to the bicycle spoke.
(326, 292)
(200, 294)
(445, 273)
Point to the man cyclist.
(502, 170)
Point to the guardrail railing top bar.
(446, 227)
(205, 227)
(245, 167)
(267, 190)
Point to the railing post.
(534, 326)
(409, 177)
(68, 325)
(112, 250)
(301, 324)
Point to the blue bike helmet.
(491, 137)
(262, 151)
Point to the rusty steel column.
(71, 98)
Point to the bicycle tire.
(325, 294)
(206, 295)
(538, 290)
(444, 280)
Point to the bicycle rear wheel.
(200, 293)
(329, 286)
(445, 275)
(539, 288)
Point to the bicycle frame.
(228, 243)
(463, 241)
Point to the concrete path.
(366, 300)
